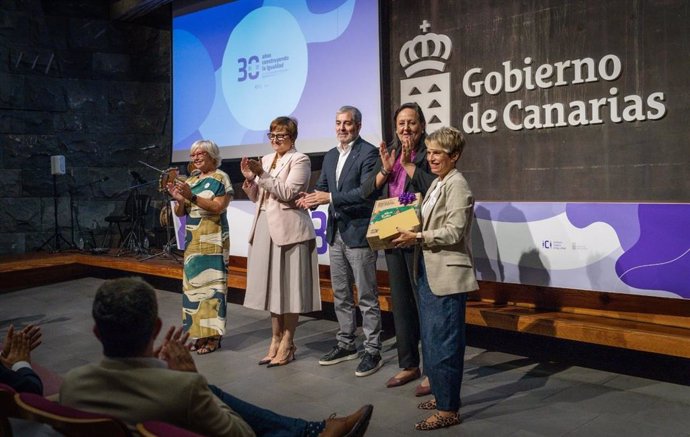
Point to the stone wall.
(75, 83)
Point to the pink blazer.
(287, 223)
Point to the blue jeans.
(442, 320)
(265, 422)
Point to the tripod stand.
(57, 236)
(136, 208)
(167, 251)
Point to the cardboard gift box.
(387, 216)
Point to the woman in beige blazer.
(444, 275)
(282, 266)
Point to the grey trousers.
(355, 266)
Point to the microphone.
(137, 177)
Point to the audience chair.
(8, 408)
(66, 420)
(154, 428)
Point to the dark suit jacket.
(349, 210)
(23, 380)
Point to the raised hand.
(20, 350)
(178, 357)
(387, 159)
(244, 168)
(406, 152)
(173, 335)
(175, 191)
(34, 335)
(7, 343)
(255, 166)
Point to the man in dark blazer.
(345, 168)
(15, 360)
(137, 383)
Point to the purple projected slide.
(635, 248)
(239, 65)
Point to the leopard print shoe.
(427, 405)
(437, 421)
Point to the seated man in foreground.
(136, 382)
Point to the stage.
(638, 323)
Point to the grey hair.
(356, 114)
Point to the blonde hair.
(447, 138)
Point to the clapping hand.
(32, 333)
(406, 153)
(251, 168)
(312, 200)
(18, 348)
(175, 350)
(387, 159)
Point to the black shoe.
(354, 425)
(338, 355)
(370, 364)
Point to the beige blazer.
(446, 231)
(287, 223)
(136, 390)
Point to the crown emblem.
(427, 51)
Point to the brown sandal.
(437, 421)
(212, 344)
(198, 344)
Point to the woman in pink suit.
(282, 267)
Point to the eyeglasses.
(194, 155)
(277, 137)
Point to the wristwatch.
(193, 198)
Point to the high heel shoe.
(290, 357)
(272, 352)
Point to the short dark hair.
(289, 123)
(125, 311)
(420, 115)
(413, 106)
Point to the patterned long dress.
(207, 245)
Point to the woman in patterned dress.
(204, 197)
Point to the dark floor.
(504, 393)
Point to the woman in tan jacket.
(282, 266)
(444, 275)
